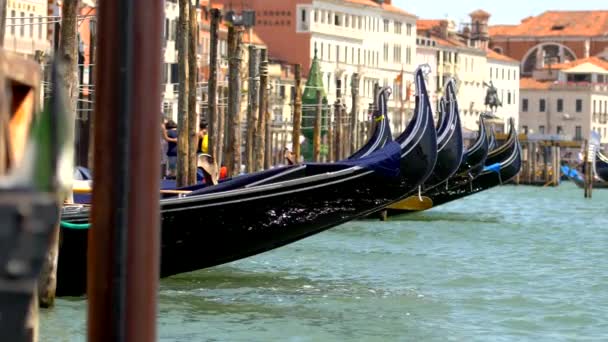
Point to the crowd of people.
(168, 146)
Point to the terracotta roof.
(532, 84)
(427, 24)
(491, 54)
(558, 23)
(500, 30)
(568, 65)
(386, 7)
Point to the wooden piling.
(252, 108)
(345, 136)
(354, 112)
(330, 135)
(92, 68)
(183, 130)
(221, 125)
(268, 144)
(123, 248)
(212, 112)
(338, 130)
(193, 117)
(297, 114)
(233, 150)
(260, 132)
(316, 133)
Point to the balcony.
(587, 86)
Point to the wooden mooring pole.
(252, 108)
(212, 112)
(233, 150)
(297, 114)
(316, 133)
(123, 247)
(193, 117)
(183, 129)
(354, 113)
(260, 132)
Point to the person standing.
(171, 129)
(203, 139)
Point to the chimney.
(443, 29)
(479, 28)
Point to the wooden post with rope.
(354, 112)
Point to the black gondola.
(450, 146)
(214, 226)
(506, 165)
(601, 166)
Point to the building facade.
(552, 37)
(503, 73)
(26, 26)
(570, 100)
(371, 38)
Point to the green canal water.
(512, 263)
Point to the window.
(541, 105)
(358, 55)
(524, 105)
(315, 16)
(397, 27)
(13, 22)
(397, 53)
(346, 54)
(525, 129)
(346, 20)
(22, 28)
(360, 22)
(579, 105)
(329, 52)
(328, 17)
(541, 129)
(560, 130)
(31, 25)
(594, 109)
(385, 25)
(337, 20)
(322, 15)
(560, 105)
(338, 53)
(578, 133)
(509, 97)
(408, 55)
(385, 56)
(408, 29)
(322, 50)
(503, 74)
(40, 26)
(303, 15)
(490, 73)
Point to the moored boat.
(215, 225)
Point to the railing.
(599, 87)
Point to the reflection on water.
(511, 263)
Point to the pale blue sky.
(503, 11)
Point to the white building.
(503, 72)
(569, 99)
(377, 42)
(26, 28)
(426, 53)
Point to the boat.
(213, 225)
(601, 166)
(577, 178)
(450, 146)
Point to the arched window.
(544, 54)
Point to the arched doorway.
(546, 53)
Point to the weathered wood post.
(212, 112)
(533, 162)
(268, 145)
(297, 114)
(338, 129)
(330, 134)
(354, 112)
(2, 21)
(233, 126)
(192, 85)
(316, 133)
(92, 59)
(260, 132)
(345, 136)
(183, 130)
(124, 249)
(221, 125)
(47, 283)
(252, 108)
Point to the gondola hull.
(601, 166)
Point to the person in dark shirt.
(171, 127)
